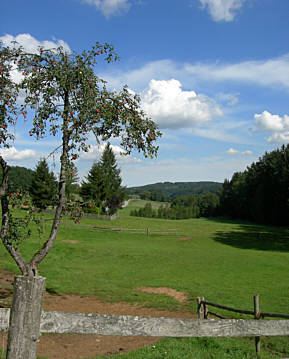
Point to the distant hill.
(171, 190)
(19, 178)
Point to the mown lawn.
(224, 261)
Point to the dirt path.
(71, 346)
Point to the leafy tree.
(64, 97)
(43, 186)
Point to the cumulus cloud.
(222, 10)
(30, 44)
(110, 7)
(171, 107)
(232, 151)
(277, 125)
(13, 154)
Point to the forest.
(259, 194)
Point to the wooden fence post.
(199, 302)
(205, 309)
(147, 232)
(257, 316)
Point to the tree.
(43, 186)
(72, 179)
(94, 188)
(114, 192)
(63, 97)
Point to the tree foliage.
(261, 192)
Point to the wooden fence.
(204, 312)
(147, 231)
(125, 325)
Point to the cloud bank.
(30, 44)
(13, 154)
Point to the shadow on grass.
(256, 237)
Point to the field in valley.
(224, 261)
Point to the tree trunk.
(24, 325)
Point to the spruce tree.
(94, 188)
(72, 186)
(114, 191)
(43, 186)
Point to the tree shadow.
(256, 237)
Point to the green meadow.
(226, 262)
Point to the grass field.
(224, 261)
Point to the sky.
(213, 75)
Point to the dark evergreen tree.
(94, 188)
(43, 186)
(114, 191)
(72, 186)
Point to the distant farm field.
(226, 262)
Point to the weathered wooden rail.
(204, 311)
(125, 325)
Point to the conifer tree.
(114, 192)
(71, 181)
(94, 188)
(43, 186)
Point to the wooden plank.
(125, 325)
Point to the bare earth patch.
(72, 241)
(185, 239)
(72, 346)
(179, 296)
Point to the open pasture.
(226, 262)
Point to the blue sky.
(213, 74)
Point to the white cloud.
(13, 154)
(171, 107)
(277, 125)
(268, 122)
(222, 10)
(228, 98)
(110, 7)
(30, 44)
(272, 72)
(232, 151)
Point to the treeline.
(261, 192)
(167, 191)
(183, 207)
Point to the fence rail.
(146, 231)
(203, 309)
(236, 310)
(125, 325)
